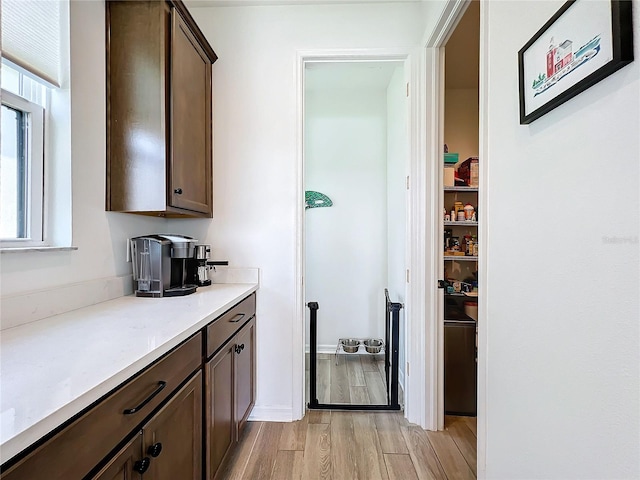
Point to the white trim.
(438, 220)
(435, 128)
(401, 378)
(34, 146)
(298, 334)
(430, 338)
(415, 255)
(323, 349)
(271, 414)
(447, 22)
(484, 239)
(415, 370)
(42, 248)
(330, 349)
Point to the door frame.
(434, 57)
(413, 330)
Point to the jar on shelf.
(468, 211)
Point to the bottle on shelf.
(468, 245)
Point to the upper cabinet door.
(190, 178)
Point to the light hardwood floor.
(351, 378)
(354, 446)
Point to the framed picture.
(583, 43)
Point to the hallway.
(354, 445)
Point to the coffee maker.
(160, 265)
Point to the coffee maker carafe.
(160, 265)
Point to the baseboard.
(28, 307)
(271, 414)
(322, 349)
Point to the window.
(35, 137)
(21, 169)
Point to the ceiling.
(342, 75)
(462, 51)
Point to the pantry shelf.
(461, 258)
(460, 189)
(465, 223)
(461, 294)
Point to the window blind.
(31, 36)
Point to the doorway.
(356, 159)
(460, 195)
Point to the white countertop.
(53, 368)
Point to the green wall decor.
(316, 200)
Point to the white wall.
(255, 144)
(562, 198)
(397, 169)
(461, 122)
(346, 244)
(99, 235)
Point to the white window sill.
(36, 249)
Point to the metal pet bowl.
(350, 345)
(373, 345)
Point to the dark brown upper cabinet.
(159, 110)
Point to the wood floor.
(354, 446)
(350, 378)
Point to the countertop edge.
(26, 438)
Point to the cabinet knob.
(239, 348)
(142, 466)
(155, 449)
(178, 191)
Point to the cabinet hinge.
(407, 369)
(407, 182)
(407, 89)
(407, 275)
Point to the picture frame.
(584, 42)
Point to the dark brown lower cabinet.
(230, 396)
(219, 405)
(123, 466)
(80, 448)
(172, 439)
(245, 375)
(151, 426)
(169, 445)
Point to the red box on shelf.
(468, 171)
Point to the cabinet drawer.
(80, 446)
(226, 325)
